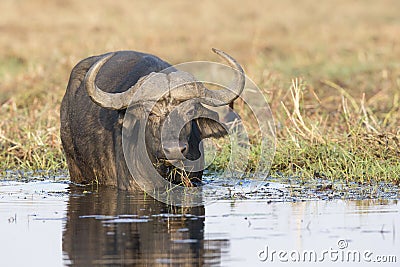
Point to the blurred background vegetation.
(344, 124)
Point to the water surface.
(57, 224)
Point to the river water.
(47, 223)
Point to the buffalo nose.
(183, 148)
(175, 152)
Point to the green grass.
(30, 139)
(339, 121)
(350, 145)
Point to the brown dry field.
(346, 53)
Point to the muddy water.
(56, 224)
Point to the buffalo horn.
(226, 96)
(116, 101)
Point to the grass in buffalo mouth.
(184, 179)
(175, 174)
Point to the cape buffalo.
(99, 96)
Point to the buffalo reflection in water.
(111, 227)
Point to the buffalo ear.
(210, 128)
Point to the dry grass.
(340, 120)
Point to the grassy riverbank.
(332, 78)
